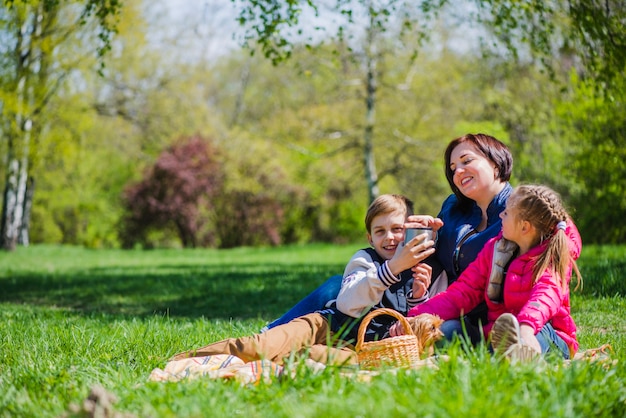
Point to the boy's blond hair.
(387, 203)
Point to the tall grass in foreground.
(72, 318)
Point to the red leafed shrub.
(249, 219)
(177, 192)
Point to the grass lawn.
(72, 318)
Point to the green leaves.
(265, 22)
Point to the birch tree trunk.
(19, 126)
(32, 35)
(24, 233)
(371, 176)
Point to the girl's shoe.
(505, 333)
(507, 341)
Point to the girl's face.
(474, 175)
(511, 225)
(387, 231)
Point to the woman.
(478, 168)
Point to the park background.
(170, 134)
(134, 126)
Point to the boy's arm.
(422, 276)
(364, 283)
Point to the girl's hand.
(422, 275)
(396, 330)
(528, 336)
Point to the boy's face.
(387, 232)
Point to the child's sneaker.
(505, 333)
(507, 341)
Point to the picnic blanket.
(225, 366)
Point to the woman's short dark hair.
(490, 148)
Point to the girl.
(523, 277)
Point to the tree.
(369, 30)
(592, 30)
(177, 191)
(33, 33)
(598, 127)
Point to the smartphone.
(410, 233)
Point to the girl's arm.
(464, 294)
(543, 303)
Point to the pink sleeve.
(543, 303)
(465, 293)
(574, 241)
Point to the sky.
(207, 29)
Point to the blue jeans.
(464, 329)
(314, 301)
(547, 337)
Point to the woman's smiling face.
(474, 174)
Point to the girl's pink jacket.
(532, 304)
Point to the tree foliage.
(598, 127)
(33, 35)
(177, 191)
(593, 30)
(287, 139)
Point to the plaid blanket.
(226, 366)
(218, 366)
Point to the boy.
(388, 275)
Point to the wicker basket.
(401, 351)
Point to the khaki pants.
(306, 334)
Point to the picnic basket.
(401, 351)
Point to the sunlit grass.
(71, 318)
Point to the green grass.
(71, 318)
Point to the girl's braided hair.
(542, 207)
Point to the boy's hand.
(407, 256)
(422, 275)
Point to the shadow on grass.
(170, 284)
(249, 291)
(604, 278)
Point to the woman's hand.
(417, 221)
(422, 275)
